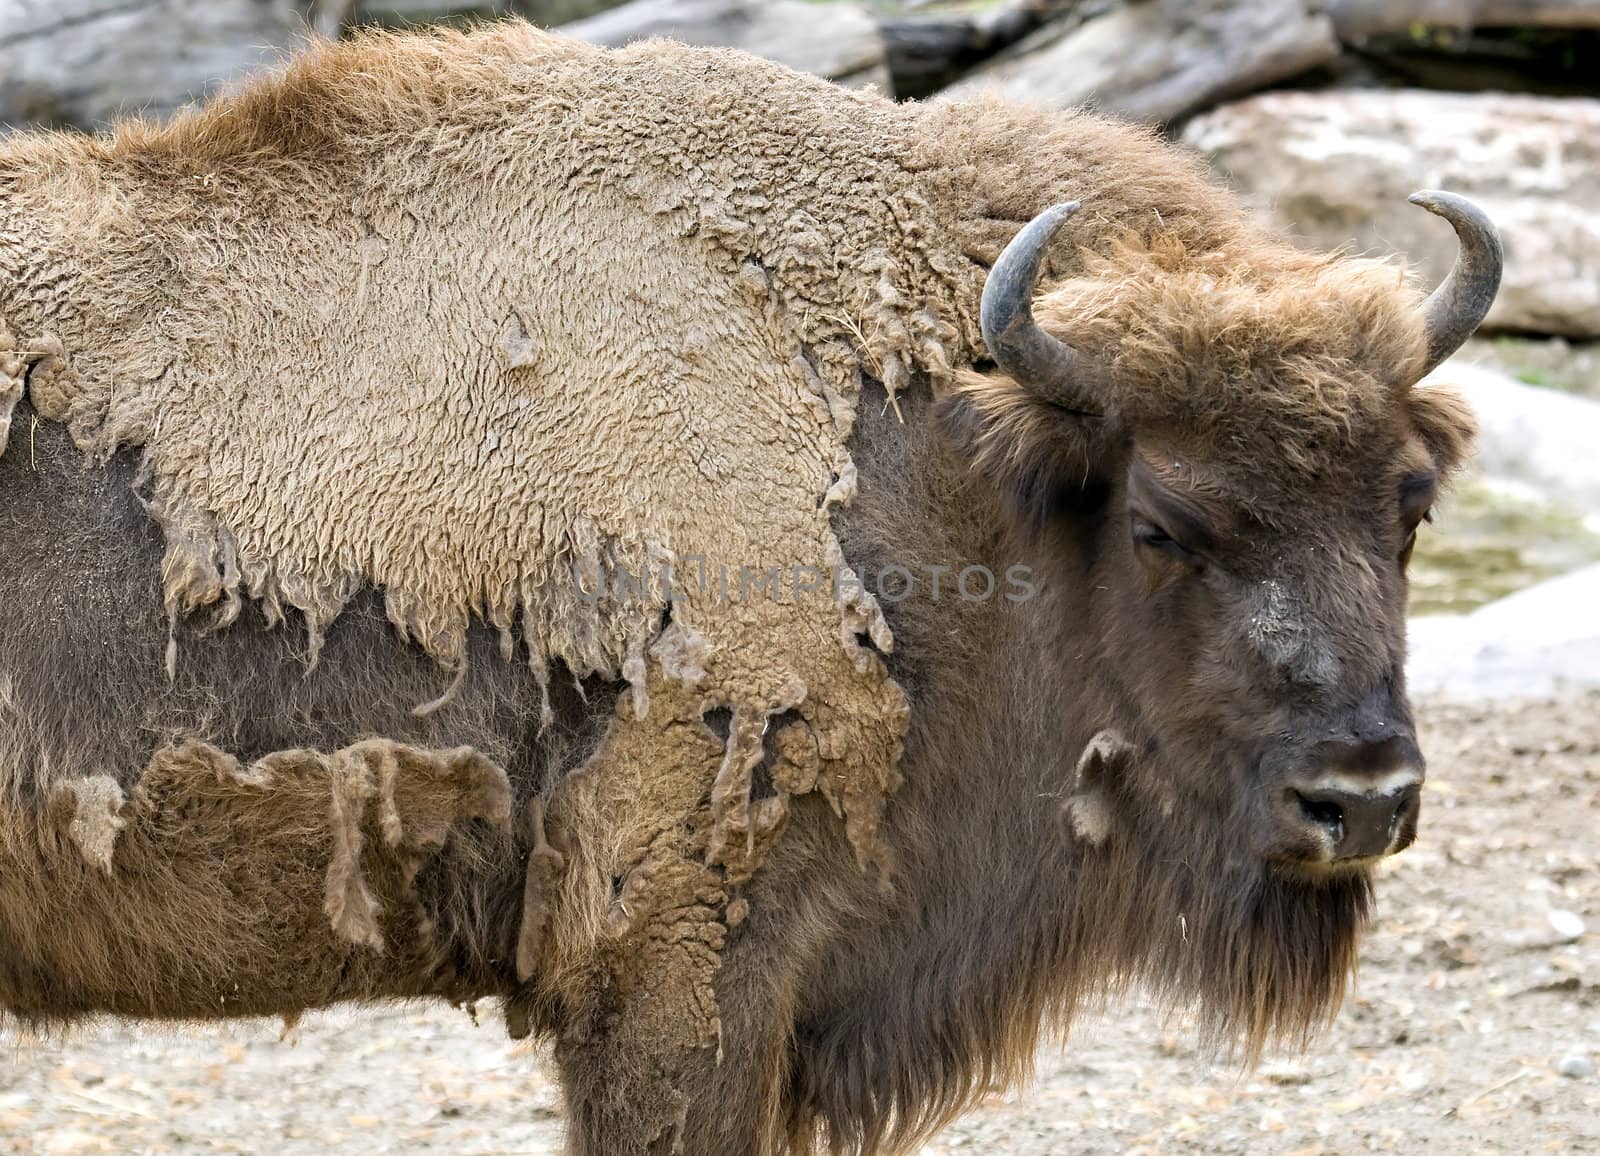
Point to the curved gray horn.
(1046, 367)
(1455, 309)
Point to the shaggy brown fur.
(425, 327)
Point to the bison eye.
(1410, 541)
(1152, 537)
(1417, 494)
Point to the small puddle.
(1488, 540)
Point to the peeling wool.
(13, 376)
(370, 772)
(96, 819)
(683, 653)
(566, 329)
(545, 863)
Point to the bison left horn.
(1454, 310)
(1043, 365)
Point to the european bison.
(858, 645)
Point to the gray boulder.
(1356, 20)
(839, 41)
(81, 62)
(408, 12)
(1159, 60)
(1336, 167)
(1542, 439)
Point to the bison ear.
(1039, 458)
(1087, 810)
(1445, 422)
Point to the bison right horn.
(1454, 310)
(1043, 365)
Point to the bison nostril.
(1344, 824)
(1399, 814)
(1322, 812)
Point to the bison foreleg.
(683, 1046)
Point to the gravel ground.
(1480, 986)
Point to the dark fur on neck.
(1256, 957)
(1005, 924)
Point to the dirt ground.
(1478, 986)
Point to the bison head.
(1226, 459)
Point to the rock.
(1159, 60)
(1566, 924)
(1538, 643)
(1337, 166)
(329, 17)
(552, 12)
(1288, 1073)
(409, 12)
(839, 41)
(1543, 61)
(928, 50)
(1540, 438)
(1550, 362)
(81, 62)
(1576, 1066)
(404, 13)
(1355, 20)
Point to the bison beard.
(1254, 955)
(352, 348)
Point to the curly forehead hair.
(1287, 353)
